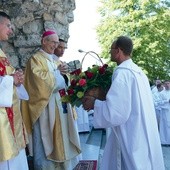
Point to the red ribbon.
(9, 110)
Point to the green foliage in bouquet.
(80, 82)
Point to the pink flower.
(82, 82)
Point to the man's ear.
(43, 41)
(119, 51)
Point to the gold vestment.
(40, 84)
(11, 140)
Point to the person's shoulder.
(127, 67)
(36, 59)
(123, 74)
(37, 55)
(163, 93)
(35, 52)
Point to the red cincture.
(2, 69)
(10, 113)
(9, 110)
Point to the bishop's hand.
(63, 67)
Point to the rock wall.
(30, 18)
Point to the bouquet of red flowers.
(94, 80)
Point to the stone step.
(95, 137)
(84, 136)
(90, 144)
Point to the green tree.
(147, 22)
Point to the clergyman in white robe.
(164, 105)
(157, 100)
(134, 142)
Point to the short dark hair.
(61, 40)
(166, 81)
(4, 15)
(159, 85)
(125, 44)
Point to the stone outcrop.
(30, 18)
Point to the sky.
(82, 32)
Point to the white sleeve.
(6, 91)
(164, 103)
(22, 93)
(112, 112)
(60, 82)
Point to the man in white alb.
(128, 110)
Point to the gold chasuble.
(12, 131)
(57, 129)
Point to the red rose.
(89, 74)
(76, 72)
(62, 92)
(105, 66)
(82, 82)
(73, 82)
(102, 70)
(70, 91)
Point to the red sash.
(4, 62)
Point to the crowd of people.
(161, 97)
(32, 114)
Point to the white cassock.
(134, 142)
(165, 117)
(16, 163)
(157, 100)
(82, 120)
(6, 94)
(154, 90)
